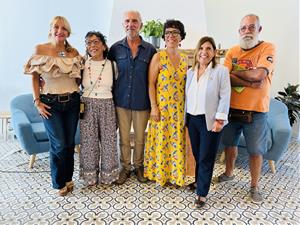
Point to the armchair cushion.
(39, 131)
(28, 125)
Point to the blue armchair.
(279, 133)
(29, 128)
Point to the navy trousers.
(204, 146)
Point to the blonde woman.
(58, 65)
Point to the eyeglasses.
(172, 33)
(89, 43)
(251, 28)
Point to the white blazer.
(217, 95)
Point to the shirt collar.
(142, 44)
(207, 70)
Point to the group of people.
(130, 84)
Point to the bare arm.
(41, 107)
(236, 82)
(253, 75)
(152, 78)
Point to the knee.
(57, 146)
(255, 156)
(231, 152)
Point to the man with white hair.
(251, 66)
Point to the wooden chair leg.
(272, 166)
(31, 161)
(77, 149)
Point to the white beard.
(248, 41)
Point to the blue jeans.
(255, 133)
(204, 146)
(61, 128)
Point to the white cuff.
(221, 116)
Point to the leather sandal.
(70, 186)
(63, 191)
(199, 203)
(192, 186)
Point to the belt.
(63, 97)
(242, 111)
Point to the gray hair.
(134, 11)
(253, 15)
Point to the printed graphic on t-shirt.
(243, 64)
(240, 65)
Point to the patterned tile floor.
(27, 198)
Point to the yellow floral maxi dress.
(165, 145)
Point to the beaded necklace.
(98, 79)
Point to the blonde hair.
(66, 25)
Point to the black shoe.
(192, 186)
(122, 177)
(139, 172)
(199, 203)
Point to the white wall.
(191, 13)
(280, 23)
(25, 23)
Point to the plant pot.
(155, 41)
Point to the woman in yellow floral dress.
(165, 146)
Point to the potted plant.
(291, 98)
(153, 30)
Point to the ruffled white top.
(58, 73)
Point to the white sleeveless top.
(97, 79)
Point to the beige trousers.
(139, 120)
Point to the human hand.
(42, 109)
(155, 114)
(217, 126)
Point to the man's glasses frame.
(251, 28)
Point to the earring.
(179, 45)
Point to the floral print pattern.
(165, 146)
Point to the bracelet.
(36, 99)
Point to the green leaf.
(152, 28)
(291, 98)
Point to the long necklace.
(98, 79)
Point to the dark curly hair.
(101, 38)
(174, 24)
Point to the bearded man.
(251, 66)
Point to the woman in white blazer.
(207, 104)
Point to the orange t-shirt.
(263, 56)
